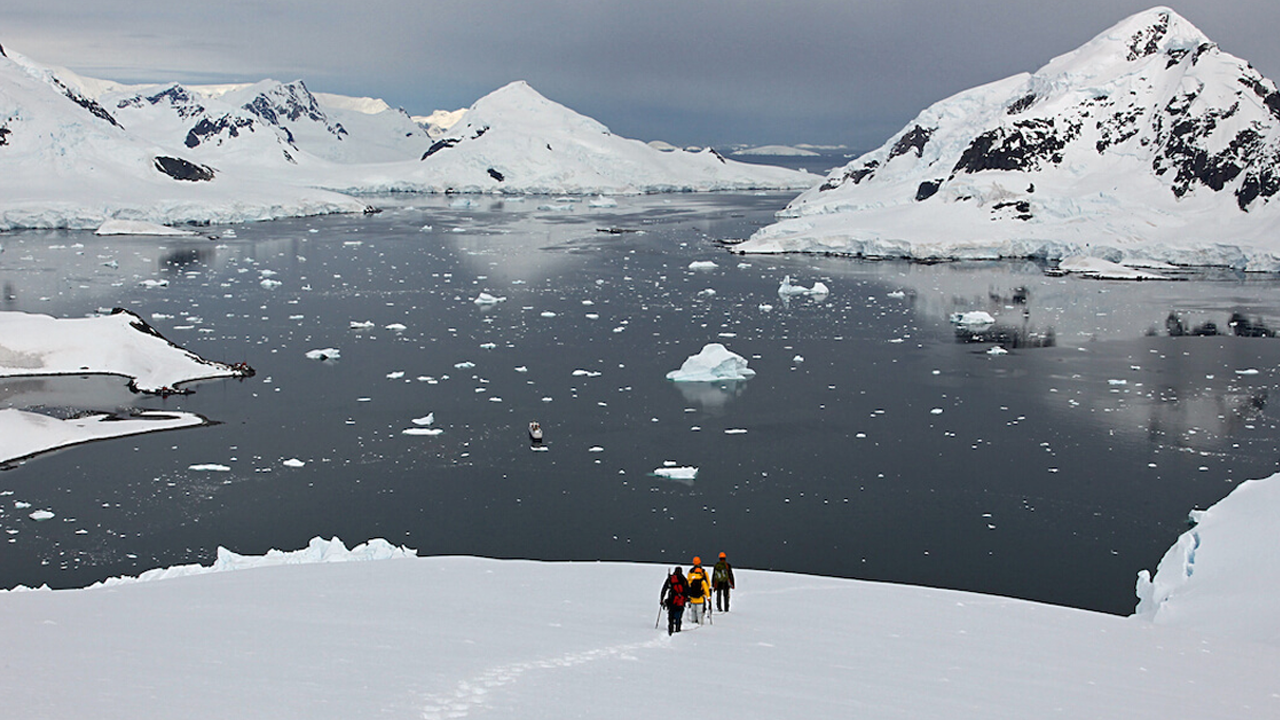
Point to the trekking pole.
(709, 603)
(655, 622)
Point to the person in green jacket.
(722, 583)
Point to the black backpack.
(695, 585)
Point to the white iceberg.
(973, 318)
(139, 227)
(788, 288)
(714, 363)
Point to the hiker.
(672, 598)
(722, 583)
(699, 591)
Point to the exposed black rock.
(2, 51)
(88, 104)
(1147, 40)
(853, 175)
(1119, 127)
(913, 140)
(718, 155)
(439, 145)
(496, 175)
(1242, 326)
(206, 128)
(180, 169)
(1026, 145)
(927, 189)
(1021, 209)
(1021, 104)
(4, 135)
(176, 96)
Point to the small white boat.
(535, 433)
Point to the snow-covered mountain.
(514, 140)
(67, 160)
(1147, 141)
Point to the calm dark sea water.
(875, 441)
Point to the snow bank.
(138, 227)
(1100, 269)
(318, 550)
(712, 364)
(1222, 576)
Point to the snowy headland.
(1146, 143)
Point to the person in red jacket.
(674, 592)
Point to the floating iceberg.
(714, 363)
(787, 288)
(973, 318)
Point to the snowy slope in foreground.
(117, 344)
(514, 140)
(1146, 142)
(1222, 576)
(467, 637)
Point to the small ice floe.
(973, 318)
(485, 298)
(712, 364)
(323, 354)
(464, 365)
(150, 283)
(209, 467)
(798, 359)
(586, 373)
(547, 314)
(395, 374)
(765, 307)
(735, 431)
(997, 350)
(1247, 371)
(139, 227)
(270, 284)
(488, 346)
(396, 327)
(559, 207)
(601, 201)
(425, 431)
(672, 472)
(703, 265)
(788, 289)
(293, 463)
(1098, 269)
(41, 515)
(361, 324)
(521, 369)
(936, 411)
(595, 449)
(897, 295)
(708, 292)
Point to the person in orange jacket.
(722, 583)
(699, 591)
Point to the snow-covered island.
(1148, 142)
(120, 343)
(76, 152)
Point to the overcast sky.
(690, 72)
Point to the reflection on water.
(875, 441)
